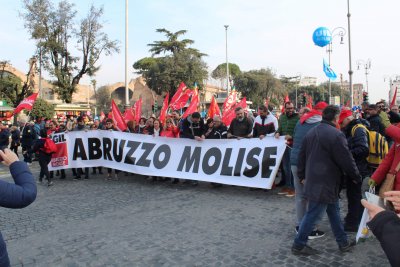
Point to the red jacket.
(171, 132)
(391, 160)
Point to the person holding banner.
(157, 130)
(78, 172)
(219, 130)
(110, 127)
(148, 129)
(287, 122)
(193, 128)
(324, 156)
(241, 126)
(170, 130)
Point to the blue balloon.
(322, 36)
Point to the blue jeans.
(314, 213)
(286, 169)
(300, 198)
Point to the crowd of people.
(327, 151)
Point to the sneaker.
(316, 234)
(291, 193)
(284, 191)
(347, 247)
(305, 251)
(50, 184)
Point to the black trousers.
(354, 206)
(44, 160)
(27, 153)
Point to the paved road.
(134, 222)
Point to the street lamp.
(226, 51)
(126, 56)
(350, 70)
(338, 31)
(366, 65)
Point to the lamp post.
(366, 65)
(226, 51)
(350, 70)
(338, 31)
(126, 56)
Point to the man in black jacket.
(28, 138)
(357, 139)
(193, 127)
(324, 157)
(219, 130)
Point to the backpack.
(49, 146)
(378, 146)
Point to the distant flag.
(137, 107)
(214, 109)
(27, 103)
(129, 114)
(285, 101)
(394, 98)
(102, 116)
(230, 101)
(164, 109)
(119, 121)
(230, 115)
(194, 103)
(310, 102)
(181, 97)
(328, 71)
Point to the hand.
(288, 137)
(302, 181)
(261, 137)
(8, 157)
(371, 182)
(372, 208)
(203, 137)
(229, 135)
(198, 138)
(277, 135)
(394, 197)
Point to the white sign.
(246, 162)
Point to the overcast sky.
(261, 34)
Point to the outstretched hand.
(8, 157)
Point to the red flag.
(110, 115)
(163, 113)
(119, 121)
(193, 107)
(129, 114)
(214, 109)
(394, 98)
(102, 116)
(137, 107)
(229, 102)
(27, 103)
(181, 97)
(230, 115)
(285, 101)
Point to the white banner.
(246, 162)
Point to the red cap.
(344, 114)
(320, 105)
